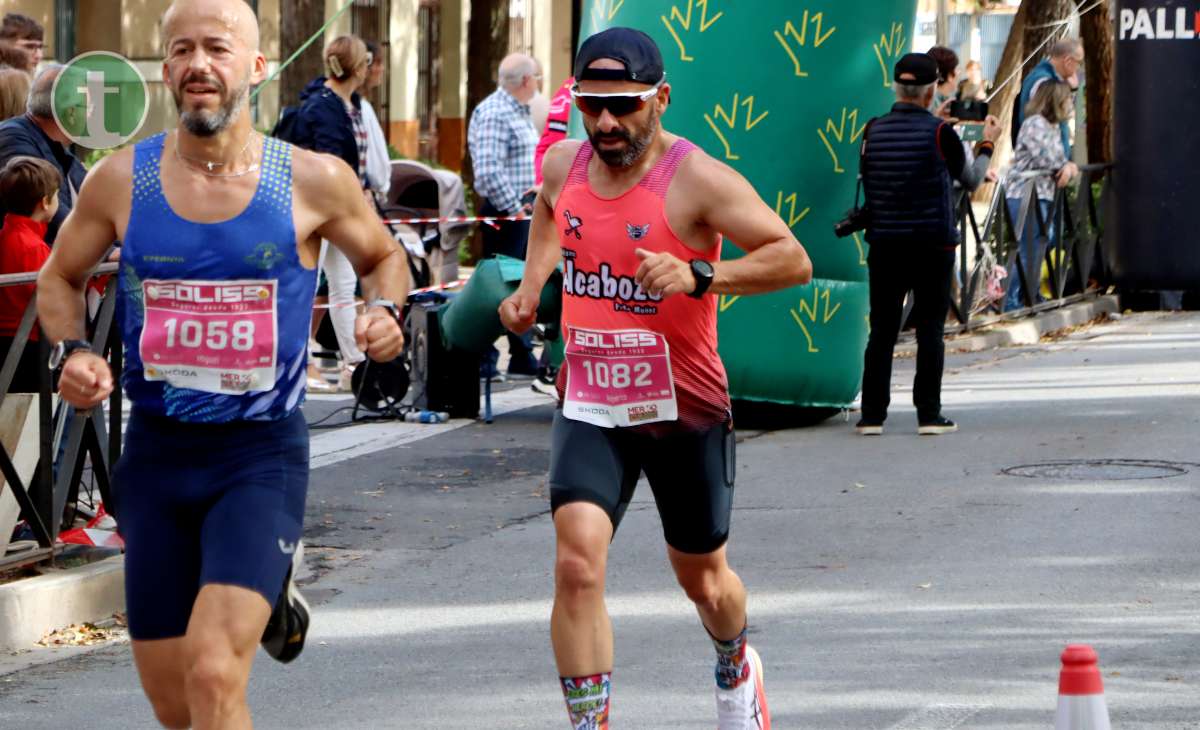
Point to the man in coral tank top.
(636, 215)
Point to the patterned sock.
(587, 700)
(732, 667)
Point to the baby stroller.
(419, 191)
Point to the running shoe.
(287, 628)
(937, 426)
(547, 389)
(745, 708)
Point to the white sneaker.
(745, 708)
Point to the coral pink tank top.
(643, 359)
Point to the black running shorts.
(691, 475)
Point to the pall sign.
(1160, 24)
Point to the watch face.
(703, 267)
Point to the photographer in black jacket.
(910, 161)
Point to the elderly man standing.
(910, 161)
(37, 134)
(503, 140)
(1063, 64)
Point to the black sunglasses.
(618, 105)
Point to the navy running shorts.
(206, 503)
(690, 473)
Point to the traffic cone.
(1081, 691)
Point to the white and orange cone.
(1081, 691)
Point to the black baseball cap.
(638, 51)
(916, 69)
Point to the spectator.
(36, 134)
(1063, 65)
(330, 120)
(29, 188)
(558, 118)
(16, 57)
(910, 159)
(503, 142)
(379, 163)
(974, 87)
(14, 92)
(25, 33)
(1039, 149)
(947, 86)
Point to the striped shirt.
(502, 141)
(360, 138)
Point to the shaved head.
(234, 17)
(212, 60)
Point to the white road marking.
(326, 449)
(939, 717)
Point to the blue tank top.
(214, 316)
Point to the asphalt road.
(898, 583)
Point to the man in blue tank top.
(220, 230)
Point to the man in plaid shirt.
(503, 141)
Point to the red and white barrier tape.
(488, 220)
(358, 302)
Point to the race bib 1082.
(618, 378)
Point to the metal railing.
(1073, 259)
(69, 440)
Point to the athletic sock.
(587, 700)
(732, 668)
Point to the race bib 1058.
(212, 336)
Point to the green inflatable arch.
(781, 91)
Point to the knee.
(702, 588)
(172, 712)
(576, 575)
(213, 679)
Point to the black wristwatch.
(704, 273)
(63, 350)
(390, 306)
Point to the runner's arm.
(84, 238)
(519, 312)
(729, 205)
(356, 230)
(544, 250)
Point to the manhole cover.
(1100, 470)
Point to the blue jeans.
(1033, 252)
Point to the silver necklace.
(208, 166)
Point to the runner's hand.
(664, 274)
(378, 334)
(86, 380)
(518, 312)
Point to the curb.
(31, 607)
(1028, 331)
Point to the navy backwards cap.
(637, 51)
(916, 69)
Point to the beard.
(205, 123)
(636, 143)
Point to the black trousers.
(894, 271)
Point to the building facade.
(423, 100)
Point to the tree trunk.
(487, 37)
(1005, 96)
(1041, 29)
(298, 20)
(1096, 29)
